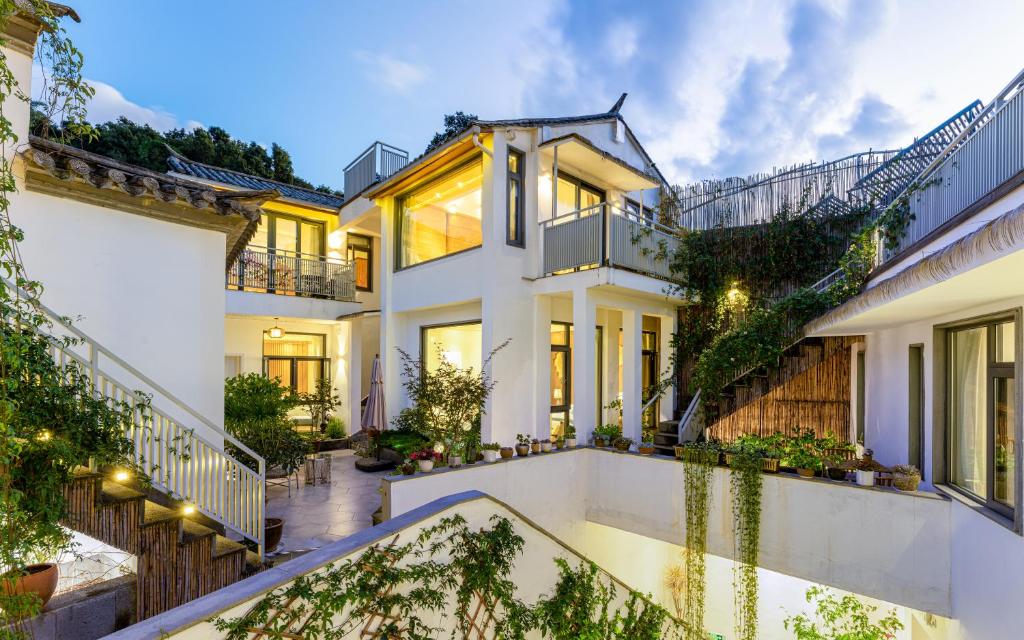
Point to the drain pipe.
(478, 144)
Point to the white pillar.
(584, 371)
(350, 383)
(665, 365)
(541, 367)
(632, 380)
(613, 323)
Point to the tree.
(846, 618)
(454, 124)
(283, 171)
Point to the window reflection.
(443, 217)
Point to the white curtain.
(969, 409)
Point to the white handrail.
(185, 465)
(688, 416)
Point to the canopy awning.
(576, 152)
(981, 267)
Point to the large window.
(514, 216)
(562, 339)
(982, 412)
(442, 217)
(360, 252)
(459, 344)
(298, 360)
(288, 235)
(574, 194)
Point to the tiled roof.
(73, 165)
(181, 164)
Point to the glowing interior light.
(121, 476)
(188, 509)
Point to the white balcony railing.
(290, 273)
(606, 235)
(378, 162)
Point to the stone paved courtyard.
(318, 515)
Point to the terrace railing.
(291, 273)
(180, 450)
(606, 235)
(378, 162)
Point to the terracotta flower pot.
(646, 451)
(490, 455)
(272, 530)
(40, 579)
(522, 450)
(506, 452)
(535, 447)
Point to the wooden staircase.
(809, 387)
(178, 559)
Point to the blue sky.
(717, 87)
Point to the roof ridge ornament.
(618, 104)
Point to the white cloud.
(622, 39)
(390, 72)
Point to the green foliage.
(144, 146)
(697, 474)
(845, 618)
(745, 488)
(252, 396)
(449, 400)
(272, 438)
(336, 428)
(454, 124)
(610, 432)
(403, 441)
(320, 402)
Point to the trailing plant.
(449, 399)
(845, 618)
(697, 474)
(745, 488)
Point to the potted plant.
(806, 462)
(425, 459)
(490, 451)
(522, 445)
(454, 460)
(320, 403)
(866, 467)
(40, 579)
(535, 446)
(700, 452)
(646, 448)
(407, 468)
(906, 477)
(272, 530)
(570, 437)
(623, 444)
(506, 452)
(606, 434)
(545, 445)
(557, 444)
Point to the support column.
(668, 399)
(350, 347)
(542, 368)
(584, 369)
(632, 380)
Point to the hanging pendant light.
(275, 332)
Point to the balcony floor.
(317, 515)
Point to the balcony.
(289, 273)
(378, 162)
(606, 235)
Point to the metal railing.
(378, 162)
(980, 159)
(606, 235)
(291, 273)
(178, 461)
(688, 422)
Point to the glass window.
(574, 194)
(298, 360)
(514, 216)
(443, 217)
(459, 344)
(360, 253)
(983, 414)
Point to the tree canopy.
(454, 124)
(144, 146)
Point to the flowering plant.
(425, 454)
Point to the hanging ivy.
(745, 489)
(697, 474)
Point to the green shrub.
(336, 428)
(253, 396)
(403, 441)
(274, 439)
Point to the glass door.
(649, 380)
(561, 377)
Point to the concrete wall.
(87, 613)
(886, 544)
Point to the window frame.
(369, 260)
(271, 217)
(444, 325)
(580, 185)
(325, 360)
(433, 179)
(987, 505)
(519, 177)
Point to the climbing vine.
(697, 474)
(745, 489)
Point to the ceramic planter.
(836, 473)
(426, 466)
(545, 447)
(622, 446)
(805, 472)
(272, 530)
(454, 461)
(906, 482)
(40, 579)
(535, 447)
(570, 443)
(490, 455)
(600, 441)
(865, 478)
(506, 452)
(646, 451)
(770, 465)
(522, 450)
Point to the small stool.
(318, 469)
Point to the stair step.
(668, 426)
(113, 492)
(224, 546)
(155, 514)
(666, 439)
(192, 530)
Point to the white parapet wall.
(882, 543)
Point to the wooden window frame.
(324, 360)
(369, 261)
(517, 239)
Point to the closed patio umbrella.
(373, 419)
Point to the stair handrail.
(688, 416)
(247, 521)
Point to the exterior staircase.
(177, 558)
